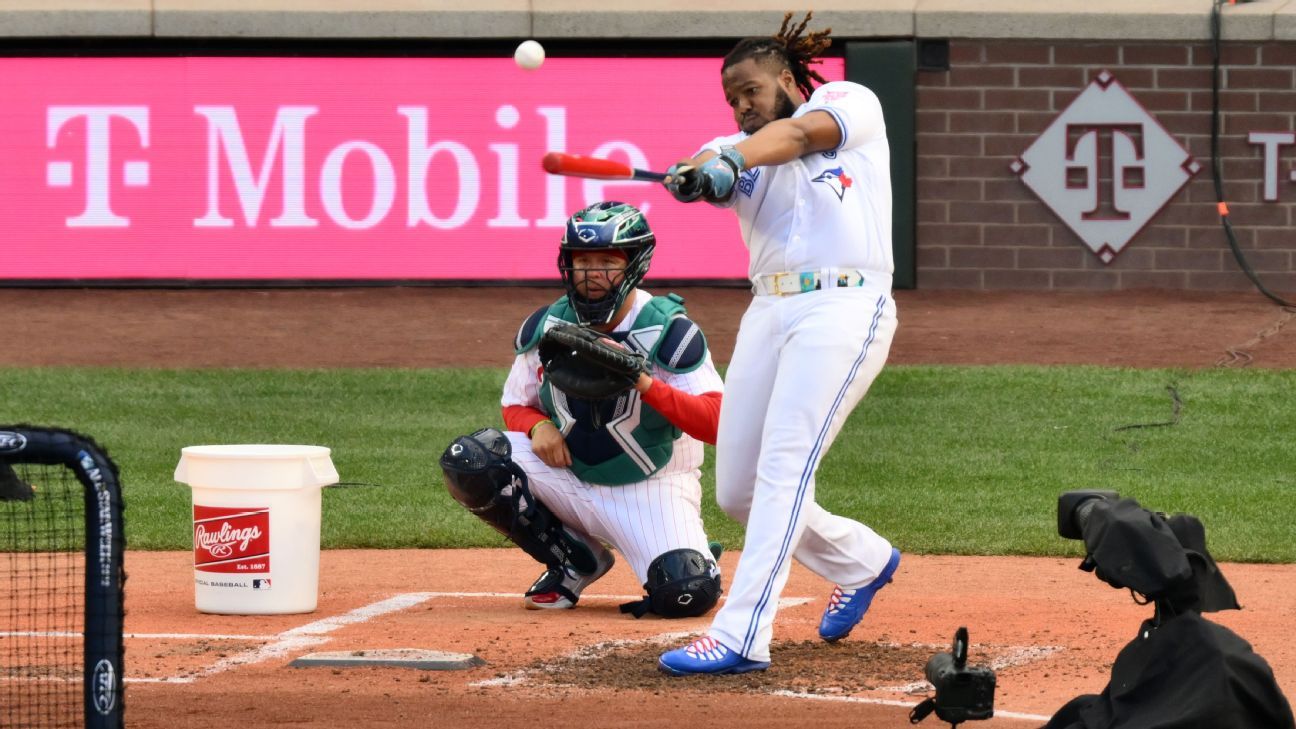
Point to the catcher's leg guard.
(481, 475)
(682, 583)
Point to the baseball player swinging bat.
(575, 165)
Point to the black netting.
(42, 590)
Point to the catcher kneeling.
(610, 397)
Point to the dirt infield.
(1051, 629)
(438, 327)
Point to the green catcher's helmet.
(606, 226)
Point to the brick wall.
(980, 227)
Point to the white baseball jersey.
(828, 209)
(641, 520)
(802, 362)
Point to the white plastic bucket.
(256, 519)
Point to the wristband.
(735, 158)
(531, 433)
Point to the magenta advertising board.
(342, 168)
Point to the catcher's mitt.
(586, 364)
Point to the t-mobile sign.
(342, 168)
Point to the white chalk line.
(296, 639)
(784, 602)
(998, 713)
(143, 636)
(305, 636)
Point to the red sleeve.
(522, 418)
(697, 415)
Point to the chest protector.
(618, 440)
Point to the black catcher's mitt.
(586, 364)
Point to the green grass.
(964, 460)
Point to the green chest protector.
(620, 440)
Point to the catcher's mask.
(605, 226)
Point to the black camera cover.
(1189, 673)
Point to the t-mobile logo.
(97, 171)
(1106, 159)
(1105, 166)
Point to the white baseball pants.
(640, 520)
(800, 365)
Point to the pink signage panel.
(342, 168)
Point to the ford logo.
(11, 442)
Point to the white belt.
(786, 283)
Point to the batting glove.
(685, 184)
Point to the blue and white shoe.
(706, 655)
(847, 607)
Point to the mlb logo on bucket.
(234, 540)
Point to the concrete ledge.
(1098, 20)
(79, 18)
(694, 19)
(1105, 20)
(446, 19)
(1285, 22)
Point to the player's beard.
(784, 108)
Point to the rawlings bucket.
(256, 525)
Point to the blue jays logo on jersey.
(747, 181)
(837, 179)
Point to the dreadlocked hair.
(791, 48)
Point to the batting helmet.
(606, 226)
(682, 583)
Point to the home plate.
(397, 657)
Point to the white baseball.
(529, 55)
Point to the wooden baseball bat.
(575, 165)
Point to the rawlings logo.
(232, 540)
(11, 442)
(221, 544)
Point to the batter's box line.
(998, 713)
(784, 602)
(1013, 655)
(297, 639)
(311, 634)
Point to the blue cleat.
(847, 607)
(706, 655)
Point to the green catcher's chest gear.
(620, 440)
